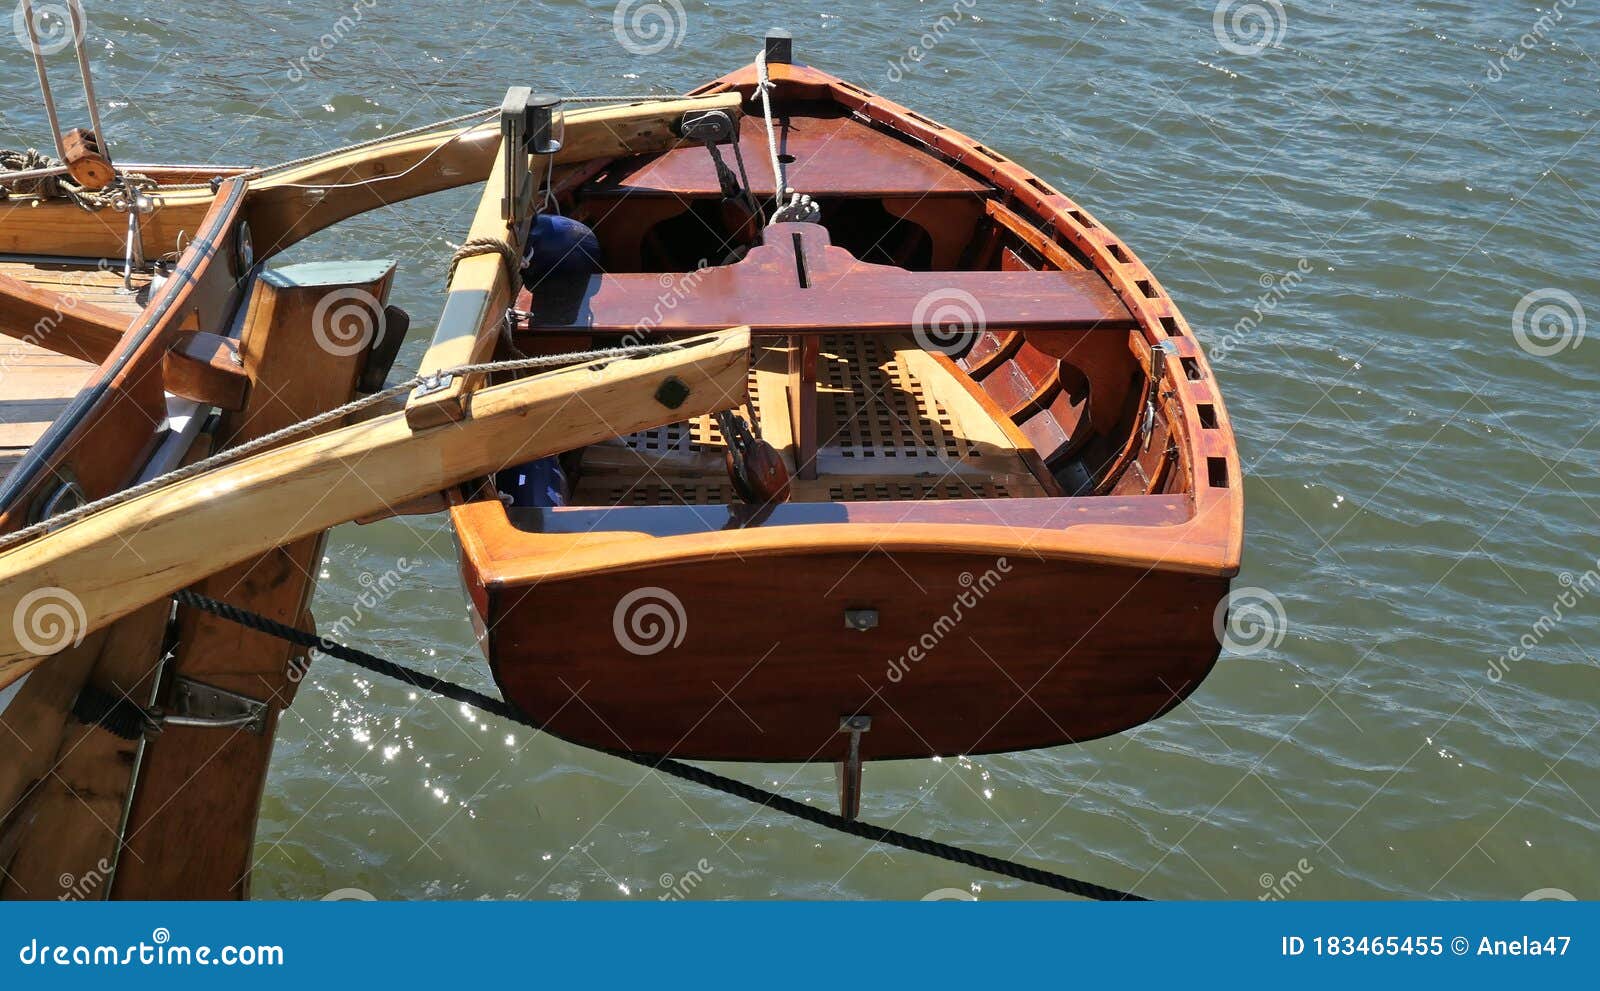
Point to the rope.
(62, 187)
(664, 765)
(294, 429)
(764, 86)
(413, 132)
(472, 247)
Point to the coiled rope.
(665, 765)
(61, 186)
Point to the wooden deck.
(36, 383)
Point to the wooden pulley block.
(86, 163)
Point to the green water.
(1422, 484)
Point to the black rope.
(112, 713)
(666, 765)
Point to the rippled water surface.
(1423, 484)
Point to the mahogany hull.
(754, 660)
(647, 610)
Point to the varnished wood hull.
(753, 660)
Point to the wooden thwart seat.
(839, 155)
(797, 282)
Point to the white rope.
(764, 87)
(233, 454)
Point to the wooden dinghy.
(1008, 503)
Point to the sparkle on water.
(1348, 206)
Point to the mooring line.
(665, 765)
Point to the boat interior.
(923, 338)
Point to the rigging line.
(232, 454)
(664, 765)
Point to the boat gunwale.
(1209, 542)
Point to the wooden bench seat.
(797, 282)
(838, 155)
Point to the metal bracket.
(849, 769)
(197, 704)
(436, 382)
(1159, 355)
(706, 127)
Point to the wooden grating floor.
(892, 425)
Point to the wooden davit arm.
(59, 587)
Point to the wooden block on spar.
(207, 368)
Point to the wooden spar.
(59, 322)
(291, 204)
(480, 290)
(110, 564)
